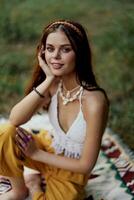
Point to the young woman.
(63, 83)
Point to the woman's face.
(59, 55)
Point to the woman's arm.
(95, 112)
(24, 110)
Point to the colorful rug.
(113, 175)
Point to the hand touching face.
(43, 64)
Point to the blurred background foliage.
(110, 28)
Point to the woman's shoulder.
(95, 99)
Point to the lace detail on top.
(67, 146)
(70, 143)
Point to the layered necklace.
(68, 97)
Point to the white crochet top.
(69, 143)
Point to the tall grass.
(110, 27)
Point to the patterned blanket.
(113, 175)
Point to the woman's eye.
(66, 50)
(50, 49)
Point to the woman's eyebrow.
(60, 45)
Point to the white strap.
(80, 98)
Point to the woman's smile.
(57, 65)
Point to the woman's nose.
(57, 54)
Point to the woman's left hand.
(26, 142)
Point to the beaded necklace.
(68, 97)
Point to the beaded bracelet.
(37, 92)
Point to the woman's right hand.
(43, 64)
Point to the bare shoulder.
(94, 101)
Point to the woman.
(63, 83)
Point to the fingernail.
(29, 137)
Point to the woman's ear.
(41, 50)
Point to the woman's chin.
(57, 72)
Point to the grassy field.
(110, 27)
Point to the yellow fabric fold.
(39, 196)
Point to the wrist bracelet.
(37, 92)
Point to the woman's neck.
(69, 82)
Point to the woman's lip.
(56, 65)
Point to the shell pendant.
(65, 102)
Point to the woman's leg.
(12, 162)
(11, 166)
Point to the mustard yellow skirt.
(60, 184)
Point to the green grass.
(110, 27)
